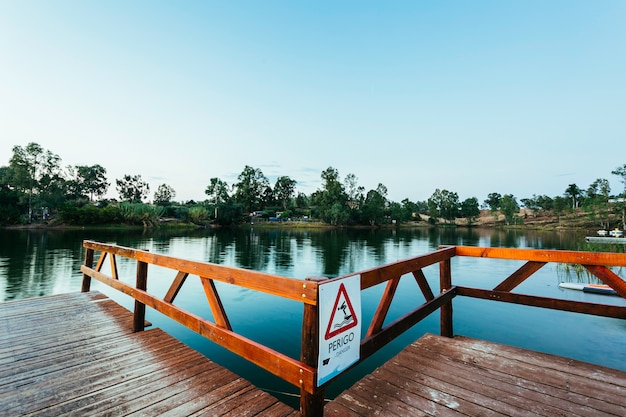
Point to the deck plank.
(76, 354)
(463, 376)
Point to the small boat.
(616, 232)
(591, 288)
(602, 232)
(606, 239)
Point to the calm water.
(37, 263)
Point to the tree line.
(35, 187)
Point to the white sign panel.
(340, 326)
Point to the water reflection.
(40, 262)
(33, 262)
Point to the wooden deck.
(466, 377)
(76, 354)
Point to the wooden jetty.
(440, 376)
(83, 354)
(77, 354)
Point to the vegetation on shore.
(36, 189)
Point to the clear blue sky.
(519, 97)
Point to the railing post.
(140, 308)
(86, 286)
(445, 283)
(311, 405)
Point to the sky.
(514, 97)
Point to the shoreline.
(526, 220)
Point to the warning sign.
(340, 326)
(342, 315)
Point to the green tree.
(596, 202)
(621, 172)
(470, 210)
(573, 192)
(36, 174)
(332, 200)
(356, 198)
(493, 201)
(531, 204)
(228, 213)
(284, 191)
(408, 208)
(544, 202)
(558, 205)
(267, 197)
(87, 181)
(354, 191)
(249, 189)
(509, 207)
(9, 199)
(599, 188)
(217, 191)
(373, 210)
(164, 195)
(132, 188)
(302, 201)
(444, 204)
(398, 213)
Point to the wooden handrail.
(543, 255)
(291, 288)
(594, 262)
(374, 276)
(378, 335)
(291, 370)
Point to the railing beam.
(582, 307)
(608, 277)
(86, 285)
(445, 283)
(289, 288)
(311, 404)
(383, 307)
(519, 276)
(373, 343)
(139, 318)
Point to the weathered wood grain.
(462, 376)
(76, 354)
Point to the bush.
(198, 215)
(138, 213)
(89, 214)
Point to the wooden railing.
(596, 263)
(302, 373)
(296, 372)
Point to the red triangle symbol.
(349, 319)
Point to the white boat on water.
(593, 288)
(613, 236)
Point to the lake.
(42, 262)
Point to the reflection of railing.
(303, 372)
